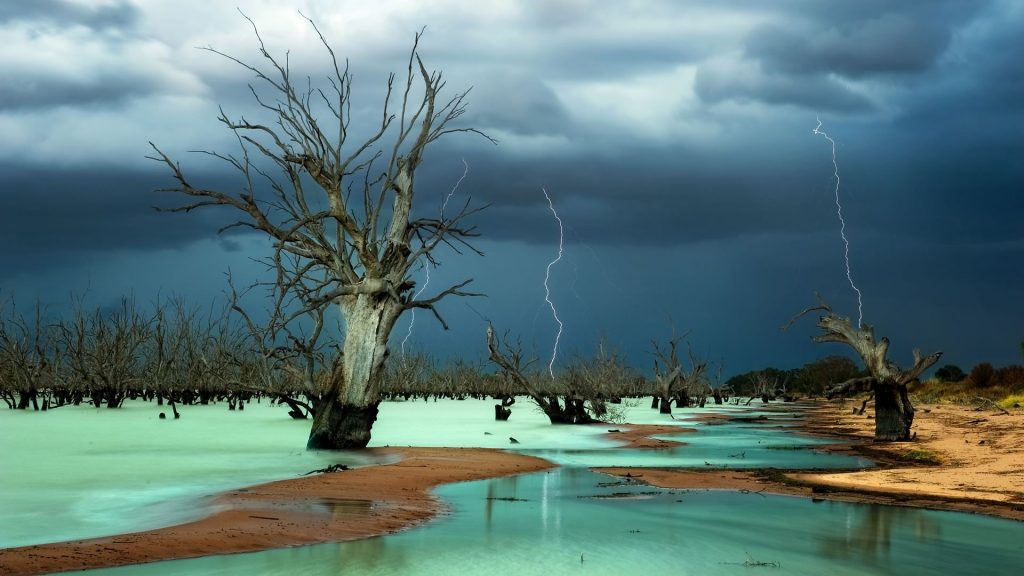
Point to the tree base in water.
(340, 426)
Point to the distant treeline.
(169, 352)
(810, 380)
(172, 353)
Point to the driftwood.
(328, 470)
(983, 402)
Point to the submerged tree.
(508, 356)
(894, 414)
(339, 214)
(674, 382)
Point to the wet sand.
(639, 436)
(962, 459)
(333, 507)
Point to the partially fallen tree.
(894, 413)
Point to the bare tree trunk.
(664, 404)
(894, 413)
(347, 412)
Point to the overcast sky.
(674, 137)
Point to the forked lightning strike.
(412, 318)
(842, 223)
(547, 290)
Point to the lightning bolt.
(547, 290)
(842, 223)
(426, 265)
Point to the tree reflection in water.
(868, 532)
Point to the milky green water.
(79, 472)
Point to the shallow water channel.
(571, 520)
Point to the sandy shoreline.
(333, 507)
(961, 460)
(959, 455)
(979, 468)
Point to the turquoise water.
(79, 472)
(718, 446)
(566, 522)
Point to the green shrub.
(950, 373)
(923, 456)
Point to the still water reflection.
(571, 520)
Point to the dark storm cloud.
(715, 85)
(892, 43)
(106, 89)
(674, 138)
(120, 14)
(814, 57)
(53, 218)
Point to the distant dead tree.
(719, 390)
(407, 374)
(508, 356)
(164, 350)
(27, 358)
(673, 381)
(767, 386)
(339, 213)
(104, 350)
(600, 379)
(287, 354)
(894, 414)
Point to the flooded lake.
(85, 472)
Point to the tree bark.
(339, 426)
(894, 414)
(665, 405)
(347, 412)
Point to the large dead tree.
(339, 213)
(894, 413)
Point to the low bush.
(981, 375)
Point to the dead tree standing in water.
(573, 411)
(673, 382)
(894, 414)
(339, 213)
